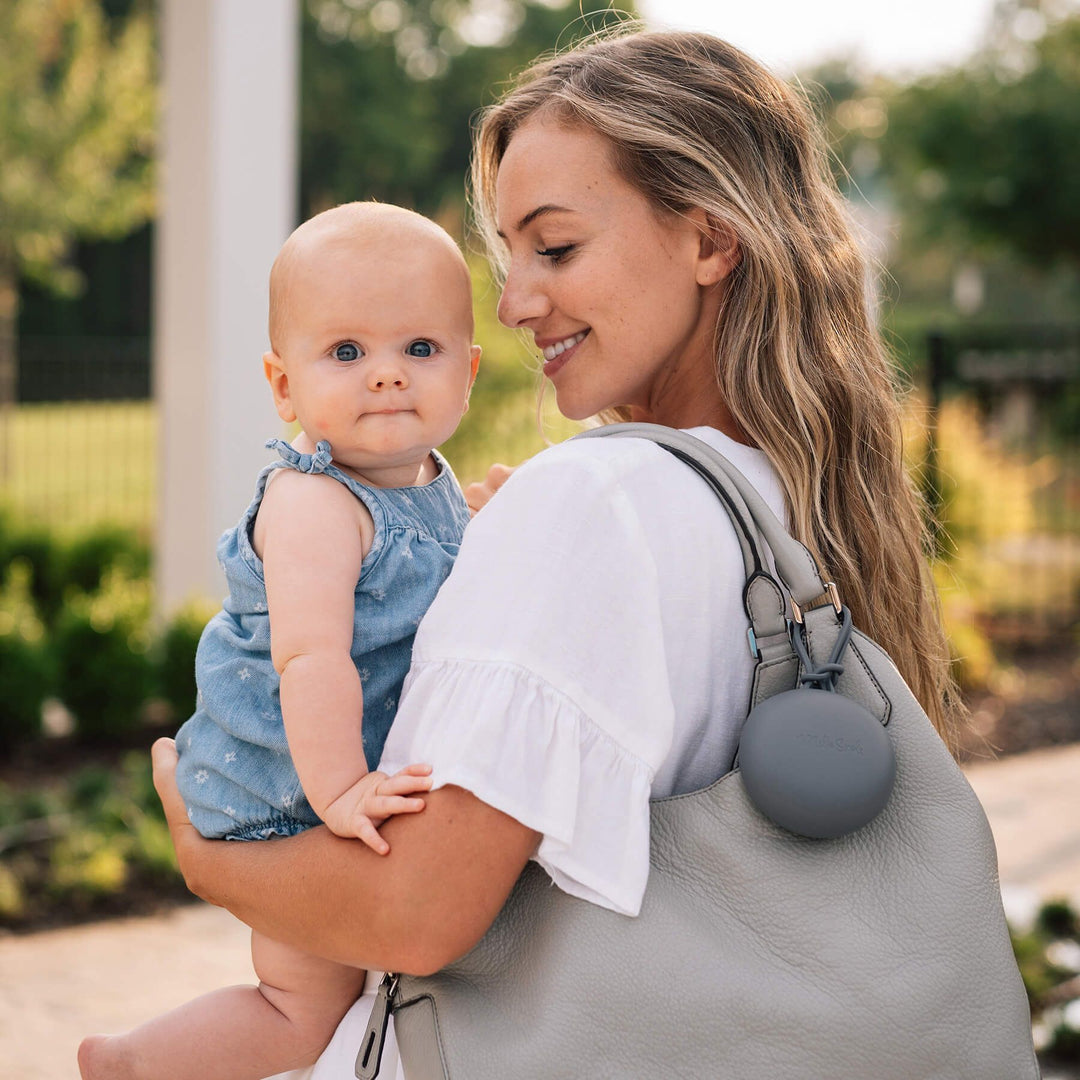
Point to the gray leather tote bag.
(759, 954)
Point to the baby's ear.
(278, 378)
(474, 366)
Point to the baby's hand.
(372, 799)
(478, 495)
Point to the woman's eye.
(422, 349)
(557, 254)
(346, 352)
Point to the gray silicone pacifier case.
(816, 763)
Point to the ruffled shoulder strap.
(322, 463)
(291, 458)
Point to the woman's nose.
(521, 300)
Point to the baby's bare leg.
(240, 1033)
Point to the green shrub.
(137, 783)
(1040, 975)
(12, 895)
(18, 805)
(59, 566)
(176, 656)
(102, 649)
(1056, 919)
(44, 554)
(88, 558)
(74, 621)
(26, 669)
(26, 673)
(89, 789)
(89, 862)
(1045, 972)
(108, 838)
(152, 849)
(1065, 1043)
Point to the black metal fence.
(83, 369)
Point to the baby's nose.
(384, 376)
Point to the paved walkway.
(57, 986)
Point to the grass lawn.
(76, 464)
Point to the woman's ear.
(278, 378)
(718, 247)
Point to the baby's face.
(376, 346)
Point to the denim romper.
(235, 772)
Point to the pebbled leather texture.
(417, 1023)
(758, 954)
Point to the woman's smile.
(557, 356)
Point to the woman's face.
(622, 300)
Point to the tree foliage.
(77, 115)
(388, 88)
(990, 153)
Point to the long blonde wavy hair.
(694, 122)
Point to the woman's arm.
(449, 872)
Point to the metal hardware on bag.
(751, 637)
(369, 1058)
(833, 595)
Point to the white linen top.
(587, 652)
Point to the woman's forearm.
(448, 873)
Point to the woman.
(670, 235)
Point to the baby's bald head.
(373, 230)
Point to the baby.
(341, 551)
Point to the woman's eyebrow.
(532, 215)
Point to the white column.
(228, 200)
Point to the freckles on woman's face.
(607, 285)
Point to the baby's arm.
(312, 533)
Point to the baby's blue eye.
(346, 352)
(421, 348)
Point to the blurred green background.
(965, 183)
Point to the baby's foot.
(105, 1057)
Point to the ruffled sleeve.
(539, 679)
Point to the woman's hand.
(185, 837)
(478, 495)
